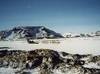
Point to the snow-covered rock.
(46, 61)
(28, 32)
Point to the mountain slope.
(28, 32)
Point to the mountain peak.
(34, 32)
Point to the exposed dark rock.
(64, 53)
(47, 61)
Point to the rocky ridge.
(28, 32)
(48, 61)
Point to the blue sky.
(60, 15)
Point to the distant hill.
(97, 33)
(27, 32)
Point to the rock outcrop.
(48, 61)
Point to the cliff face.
(48, 61)
(28, 32)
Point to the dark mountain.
(28, 32)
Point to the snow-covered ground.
(12, 71)
(70, 45)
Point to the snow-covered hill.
(28, 32)
(76, 35)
